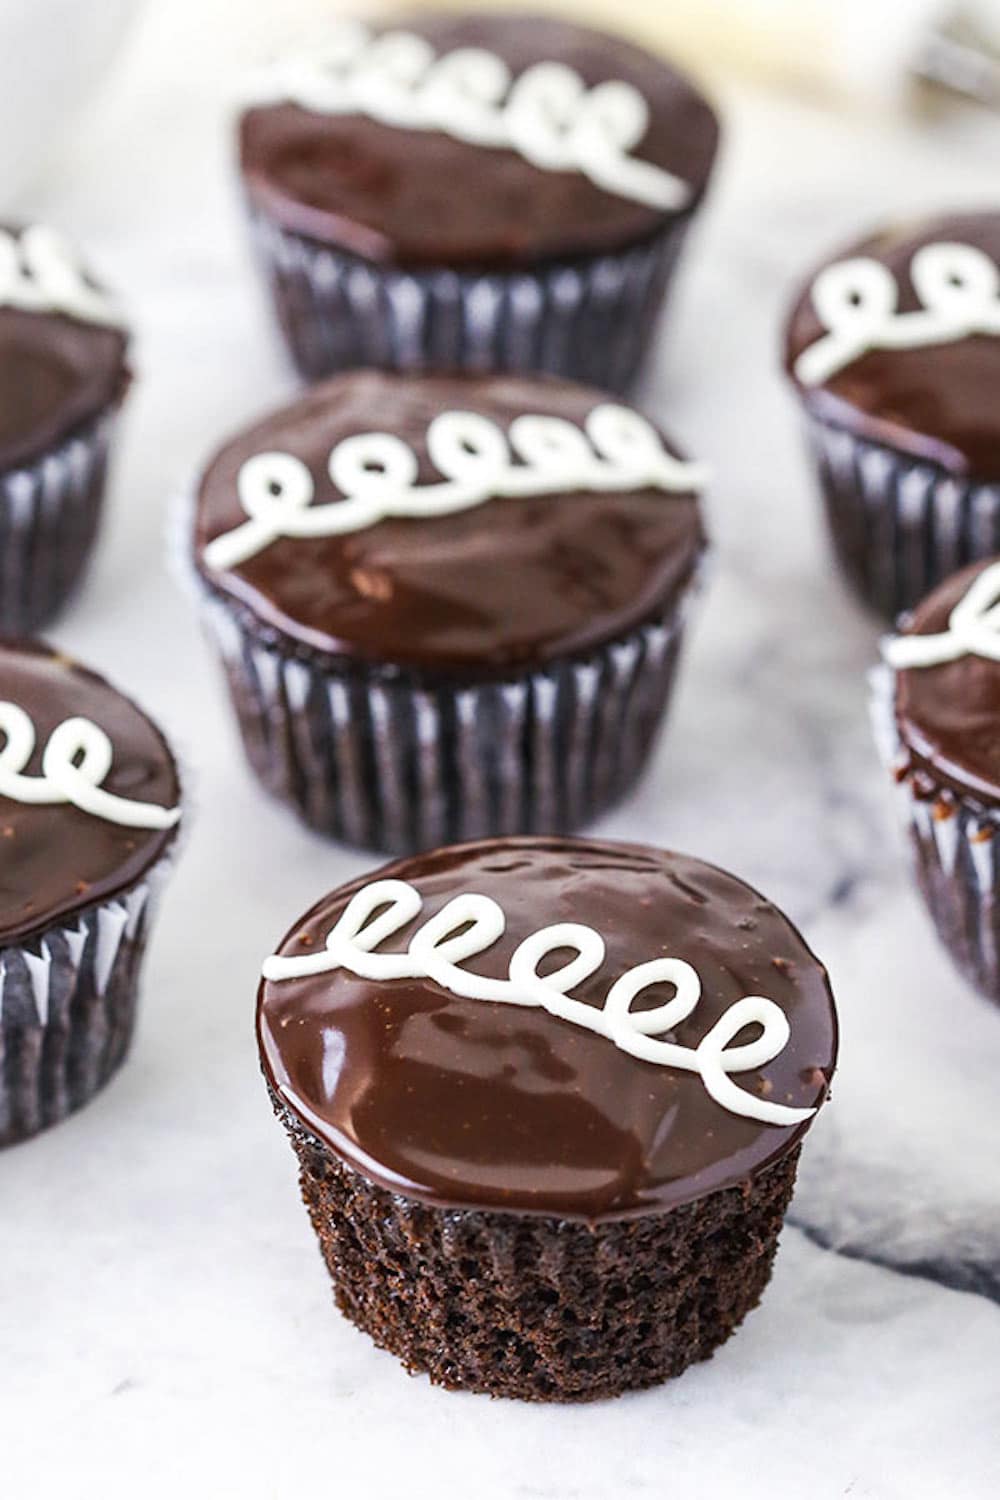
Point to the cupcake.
(937, 719)
(88, 818)
(894, 349)
(447, 606)
(488, 192)
(547, 1098)
(63, 375)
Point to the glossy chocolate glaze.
(56, 374)
(511, 582)
(421, 197)
(938, 403)
(56, 860)
(466, 1103)
(948, 716)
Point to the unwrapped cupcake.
(547, 1098)
(448, 606)
(63, 376)
(89, 814)
(894, 350)
(482, 192)
(937, 718)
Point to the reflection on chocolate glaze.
(420, 198)
(949, 715)
(56, 374)
(56, 859)
(509, 583)
(463, 1102)
(937, 402)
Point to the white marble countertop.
(166, 1325)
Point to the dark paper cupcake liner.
(899, 525)
(67, 1009)
(49, 516)
(383, 761)
(590, 319)
(955, 848)
(540, 1308)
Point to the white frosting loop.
(547, 114)
(39, 273)
(470, 450)
(75, 762)
(376, 473)
(856, 302)
(469, 924)
(467, 87)
(973, 629)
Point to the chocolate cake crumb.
(538, 1308)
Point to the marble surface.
(166, 1326)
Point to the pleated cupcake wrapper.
(590, 319)
(67, 1008)
(382, 762)
(900, 525)
(956, 850)
(49, 516)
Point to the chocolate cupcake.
(547, 1161)
(894, 349)
(489, 192)
(63, 375)
(447, 606)
(88, 818)
(937, 718)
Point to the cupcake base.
(899, 525)
(541, 1309)
(955, 845)
(49, 516)
(384, 761)
(590, 319)
(67, 1010)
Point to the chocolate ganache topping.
(470, 1102)
(922, 371)
(59, 855)
(424, 196)
(948, 713)
(57, 372)
(451, 585)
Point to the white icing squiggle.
(40, 273)
(377, 473)
(75, 762)
(973, 629)
(547, 114)
(856, 300)
(469, 924)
